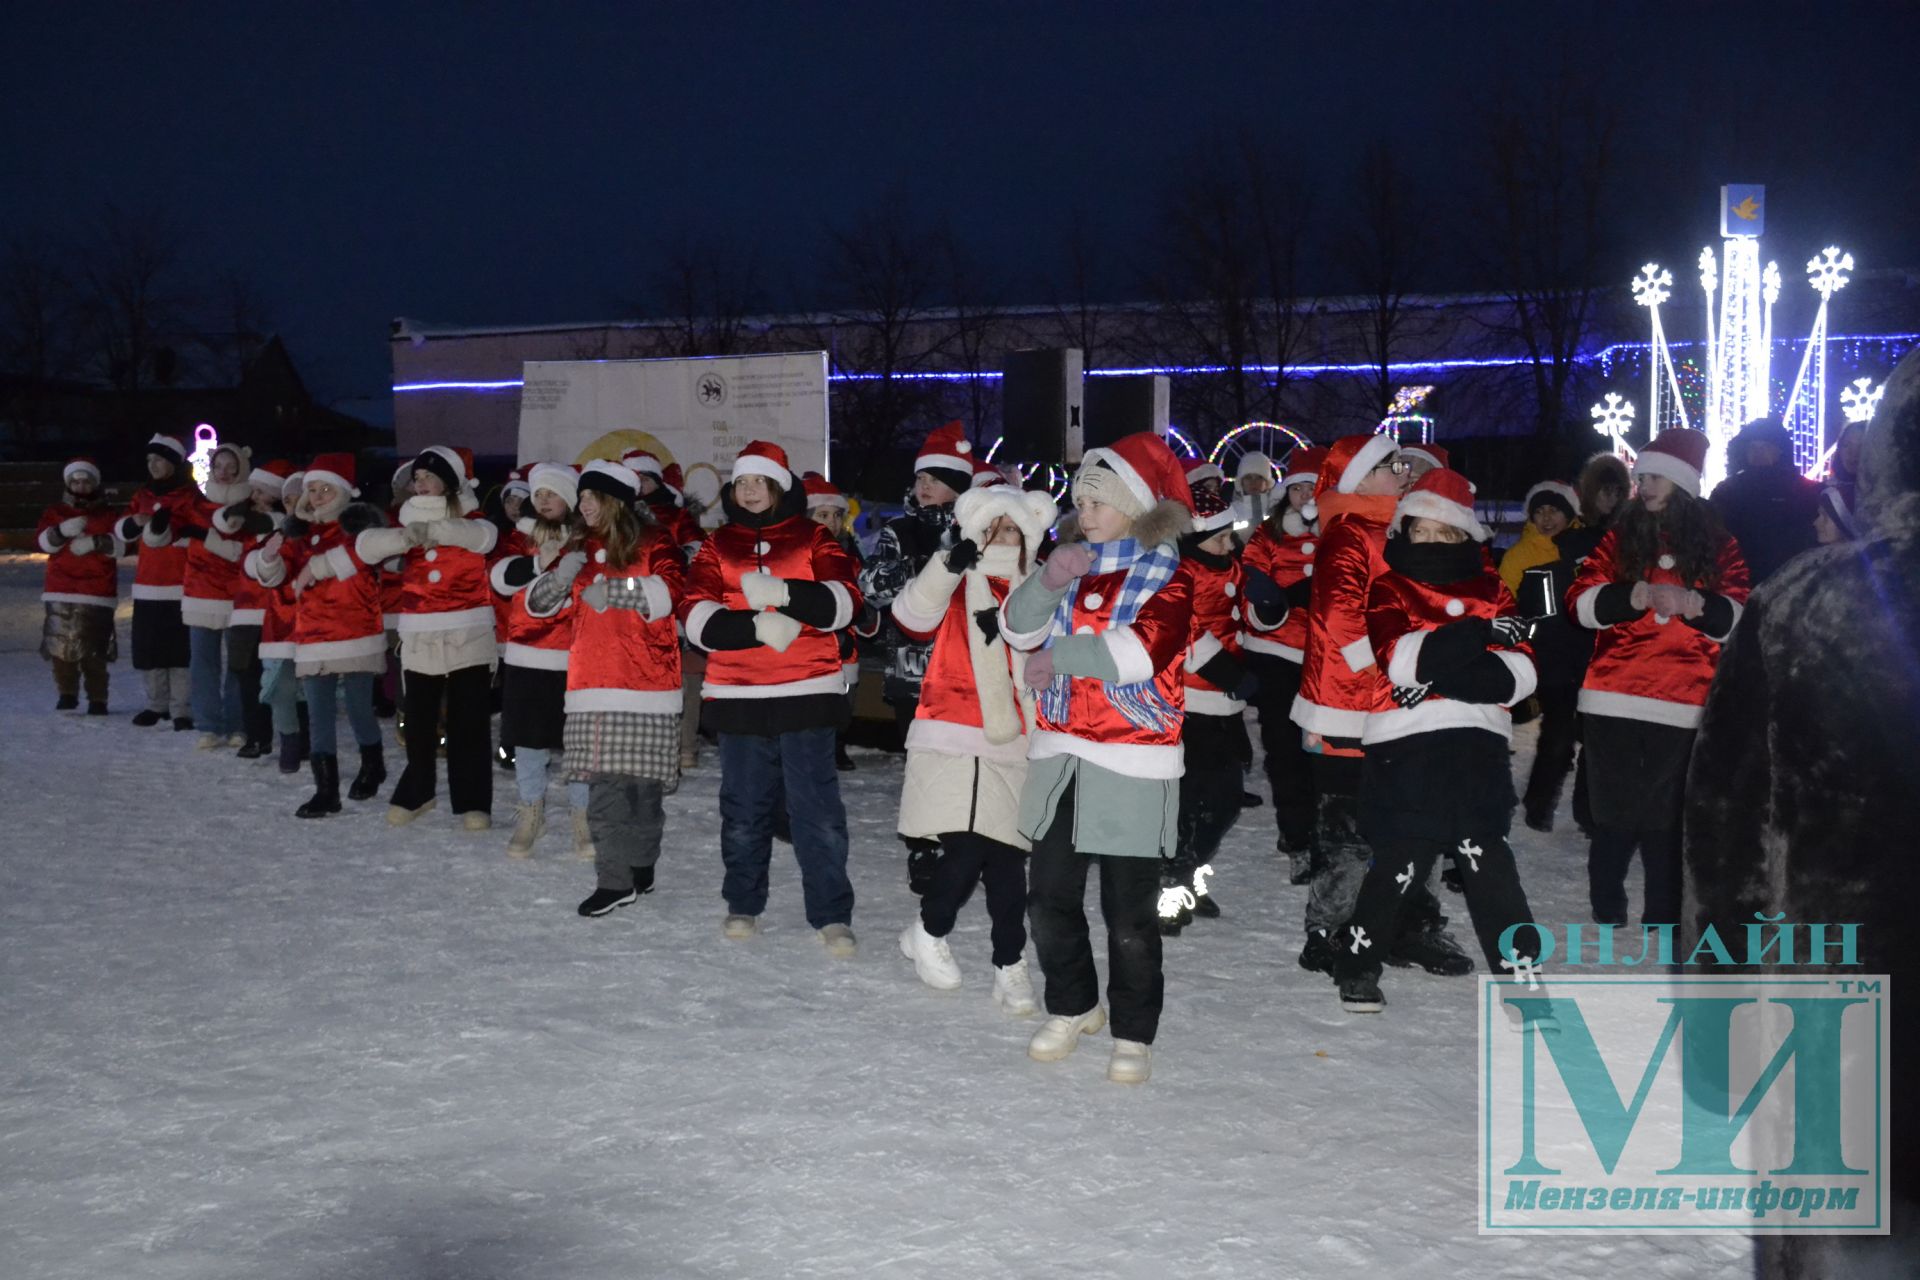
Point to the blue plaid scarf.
(1148, 569)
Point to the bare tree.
(1225, 277)
(38, 318)
(1082, 319)
(135, 300)
(974, 325)
(708, 291)
(1385, 251)
(242, 324)
(1549, 159)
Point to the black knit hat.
(436, 465)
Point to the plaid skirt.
(635, 743)
(77, 632)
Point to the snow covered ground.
(241, 1045)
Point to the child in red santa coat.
(1664, 589)
(1436, 777)
(161, 651)
(245, 524)
(1107, 624)
(967, 746)
(621, 584)
(338, 644)
(534, 653)
(206, 601)
(765, 597)
(447, 643)
(82, 588)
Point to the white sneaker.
(1058, 1037)
(1132, 1062)
(582, 837)
(740, 928)
(1013, 989)
(529, 821)
(839, 941)
(399, 817)
(931, 957)
(236, 740)
(209, 741)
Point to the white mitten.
(763, 590)
(73, 526)
(776, 630)
(82, 545)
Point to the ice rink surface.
(242, 1045)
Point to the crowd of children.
(1071, 690)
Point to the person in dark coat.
(1766, 505)
(1800, 796)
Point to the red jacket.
(213, 559)
(338, 616)
(525, 641)
(1402, 615)
(1218, 615)
(1152, 648)
(620, 661)
(1341, 683)
(794, 548)
(251, 600)
(1288, 560)
(949, 718)
(162, 566)
(444, 588)
(72, 578)
(1644, 668)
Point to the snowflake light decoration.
(1653, 286)
(1709, 270)
(1859, 401)
(1827, 272)
(1613, 417)
(1770, 283)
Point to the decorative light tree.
(1401, 415)
(1653, 286)
(1613, 418)
(1806, 412)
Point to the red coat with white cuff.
(1219, 612)
(526, 640)
(949, 716)
(162, 566)
(1288, 560)
(793, 548)
(620, 660)
(1153, 648)
(444, 587)
(252, 602)
(1405, 619)
(213, 557)
(80, 572)
(1341, 682)
(1644, 667)
(338, 617)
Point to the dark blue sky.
(492, 163)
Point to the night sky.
(497, 164)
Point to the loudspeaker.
(1040, 406)
(1120, 406)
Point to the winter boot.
(841, 760)
(148, 718)
(740, 928)
(96, 708)
(1013, 988)
(582, 837)
(208, 741)
(602, 901)
(1430, 946)
(1132, 1062)
(67, 702)
(1360, 993)
(931, 957)
(373, 772)
(399, 816)
(839, 941)
(183, 724)
(290, 753)
(1203, 904)
(1317, 955)
(259, 740)
(529, 820)
(326, 789)
(476, 820)
(1058, 1036)
(1537, 812)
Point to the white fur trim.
(835, 683)
(1631, 706)
(1420, 451)
(650, 701)
(1204, 650)
(267, 572)
(1272, 648)
(949, 739)
(1403, 667)
(1133, 760)
(533, 657)
(1371, 455)
(328, 477)
(1654, 462)
(1525, 678)
(1130, 657)
(1358, 655)
(1431, 506)
(1204, 471)
(148, 591)
(1436, 714)
(208, 615)
(653, 592)
(1006, 707)
(1253, 463)
(752, 464)
(944, 461)
(497, 575)
(697, 619)
(1583, 608)
(1223, 519)
(1136, 484)
(278, 649)
(1328, 722)
(75, 467)
(247, 618)
(476, 619)
(340, 560)
(327, 650)
(1565, 492)
(842, 605)
(1212, 702)
(68, 597)
(1738, 609)
(46, 539)
(1033, 511)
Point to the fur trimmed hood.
(1167, 521)
(1888, 497)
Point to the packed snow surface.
(242, 1045)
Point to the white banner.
(696, 412)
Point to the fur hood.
(1602, 470)
(1166, 522)
(1888, 497)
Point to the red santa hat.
(1211, 512)
(986, 475)
(335, 469)
(615, 479)
(517, 483)
(1679, 454)
(1303, 465)
(822, 493)
(557, 478)
(947, 449)
(1431, 453)
(675, 482)
(1553, 493)
(271, 476)
(1445, 496)
(78, 466)
(168, 447)
(1134, 474)
(1349, 459)
(1200, 469)
(763, 458)
(644, 464)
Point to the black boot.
(67, 702)
(96, 708)
(259, 732)
(148, 718)
(326, 789)
(304, 741)
(373, 772)
(1430, 946)
(182, 724)
(290, 753)
(1317, 955)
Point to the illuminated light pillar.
(1652, 287)
(1737, 377)
(1710, 282)
(1806, 413)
